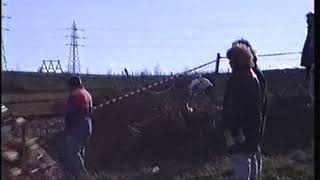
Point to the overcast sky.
(175, 34)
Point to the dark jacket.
(242, 111)
(307, 56)
(78, 113)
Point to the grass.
(297, 165)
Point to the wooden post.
(217, 63)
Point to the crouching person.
(242, 114)
(78, 127)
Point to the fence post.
(217, 63)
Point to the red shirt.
(79, 101)
(79, 106)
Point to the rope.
(148, 87)
(163, 91)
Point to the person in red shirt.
(78, 126)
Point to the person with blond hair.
(242, 116)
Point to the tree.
(145, 72)
(157, 70)
(39, 70)
(109, 72)
(17, 67)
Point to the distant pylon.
(3, 56)
(51, 66)
(74, 66)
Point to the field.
(153, 128)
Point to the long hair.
(240, 57)
(248, 44)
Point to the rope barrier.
(148, 87)
(163, 91)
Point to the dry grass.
(298, 165)
(287, 106)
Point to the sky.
(140, 34)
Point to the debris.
(20, 121)
(10, 155)
(16, 171)
(155, 170)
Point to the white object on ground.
(20, 121)
(155, 169)
(10, 155)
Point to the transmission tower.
(74, 66)
(3, 56)
(50, 66)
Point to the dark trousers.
(74, 156)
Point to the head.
(75, 82)
(196, 75)
(240, 57)
(248, 44)
(310, 18)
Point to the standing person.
(199, 98)
(263, 90)
(78, 127)
(242, 113)
(307, 57)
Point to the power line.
(273, 54)
(74, 66)
(291, 59)
(279, 54)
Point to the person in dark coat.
(78, 127)
(307, 57)
(242, 117)
(263, 89)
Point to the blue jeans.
(246, 166)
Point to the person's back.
(78, 127)
(78, 111)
